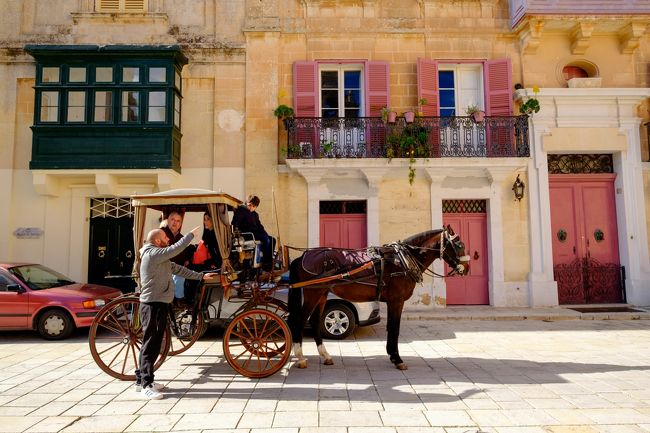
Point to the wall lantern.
(518, 188)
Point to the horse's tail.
(294, 301)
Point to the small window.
(104, 74)
(156, 107)
(103, 106)
(50, 75)
(130, 75)
(50, 106)
(447, 93)
(76, 107)
(157, 75)
(77, 75)
(120, 5)
(177, 80)
(130, 106)
(177, 111)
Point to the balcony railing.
(426, 137)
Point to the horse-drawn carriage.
(257, 340)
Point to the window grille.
(580, 164)
(110, 208)
(464, 206)
(337, 207)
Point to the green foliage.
(283, 112)
(530, 106)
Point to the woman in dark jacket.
(209, 238)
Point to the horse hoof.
(401, 366)
(302, 363)
(328, 362)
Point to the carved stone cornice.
(580, 37)
(630, 36)
(530, 36)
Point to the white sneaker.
(151, 393)
(155, 385)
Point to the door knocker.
(561, 235)
(101, 251)
(599, 235)
(128, 254)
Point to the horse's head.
(453, 252)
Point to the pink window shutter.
(305, 89)
(498, 87)
(427, 74)
(377, 88)
(428, 86)
(498, 102)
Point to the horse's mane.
(419, 239)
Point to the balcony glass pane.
(156, 112)
(446, 79)
(130, 75)
(447, 98)
(330, 113)
(329, 79)
(177, 111)
(50, 75)
(177, 80)
(352, 113)
(77, 75)
(352, 79)
(130, 106)
(104, 74)
(352, 99)
(49, 106)
(330, 98)
(103, 106)
(76, 107)
(157, 75)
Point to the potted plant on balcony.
(283, 112)
(387, 115)
(475, 112)
(532, 104)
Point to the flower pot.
(392, 117)
(409, 116)
(478, 116)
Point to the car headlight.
(94, 303)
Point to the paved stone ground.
(492, 376)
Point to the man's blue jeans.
(179, 282)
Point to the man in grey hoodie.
(156, 295)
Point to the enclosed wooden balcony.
(425, 137)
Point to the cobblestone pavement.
(498, 376)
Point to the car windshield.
(39, 277)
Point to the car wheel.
(337, 322)
(55, 325)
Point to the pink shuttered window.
(305, 89)
(428, 86)
(498, 87)
(377, 88)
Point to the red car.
(36, 297)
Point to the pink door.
(585, 240)
(343, 231)
(471, 289)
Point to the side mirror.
(16, 288)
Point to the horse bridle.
(457, 267)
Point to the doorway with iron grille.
(111, 253)
(586, 264)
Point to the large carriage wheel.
(186, 330)
(115, 338)
(257, 343)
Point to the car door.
(14, 306)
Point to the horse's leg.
(296, 324)
(314, 321)
(392, 327)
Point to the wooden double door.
(584, 231)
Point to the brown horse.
(389, 275)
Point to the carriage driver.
(156, 296)
(246, 219)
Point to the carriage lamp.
(518, 188)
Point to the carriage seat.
(248, 248)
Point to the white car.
(339, 319)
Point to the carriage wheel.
(115, 338)
(186, 331)
(256, 343)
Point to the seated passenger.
(246, 219)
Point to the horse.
(388, 274)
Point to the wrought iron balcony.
(426, 137)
